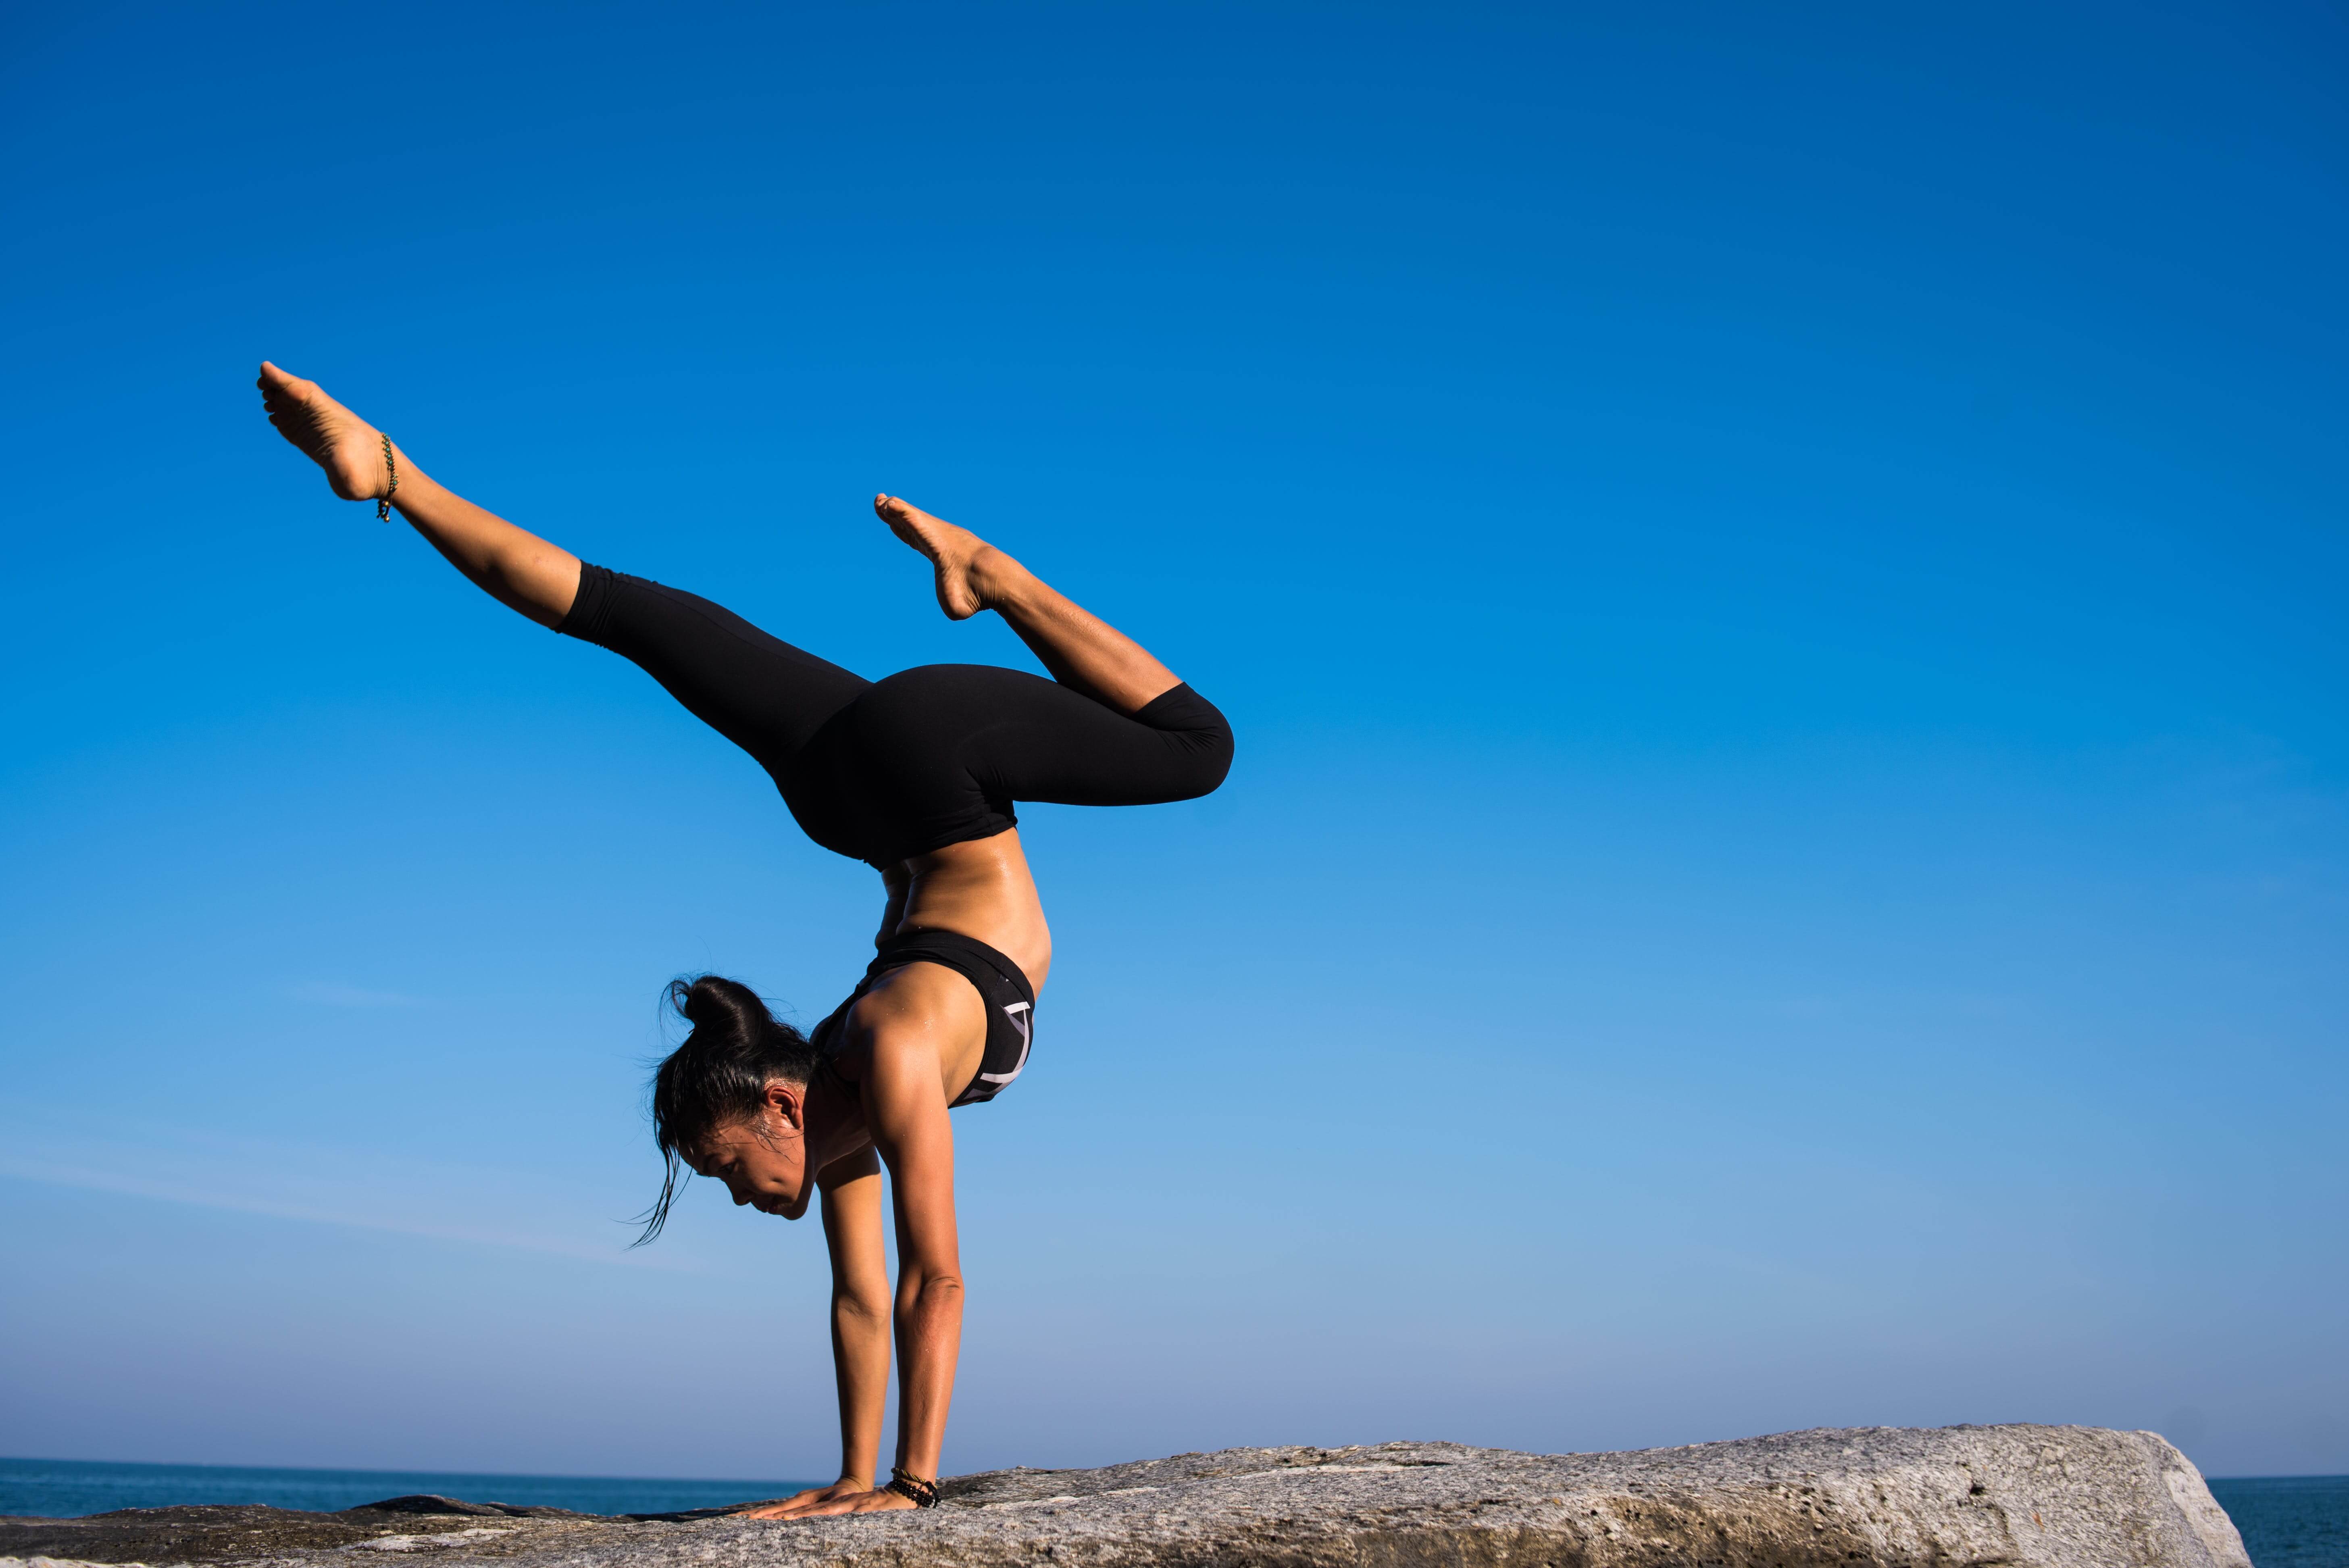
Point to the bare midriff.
(980, 887)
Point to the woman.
(916, 775)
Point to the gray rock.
(2019, 1497)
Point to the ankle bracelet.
(383, 501)
(913, 1488)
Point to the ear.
(789, 1102)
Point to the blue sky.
(1777, 570)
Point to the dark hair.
(718, 1076)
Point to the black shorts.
(1010, 1004)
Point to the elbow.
(852, 1308)
(929, 1291)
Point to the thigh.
(947, 748)
(765, 695)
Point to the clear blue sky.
(1778, 571)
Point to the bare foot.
(348, 448)
(971, 571)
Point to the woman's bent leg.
(1047, 743)
(943, 751)
(950, 748)
(1083, 652)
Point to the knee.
(1206, 756)
(1197, 734)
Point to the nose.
(740, 1199)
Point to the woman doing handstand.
(916, 775)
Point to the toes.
(281, 384)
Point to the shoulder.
(918, 1001)
(923, 1033)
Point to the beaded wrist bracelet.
(913, 1488)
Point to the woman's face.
(764, 1162)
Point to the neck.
(833, 1122)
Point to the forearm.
(513, 565)
(929, 1342)
(860, 1362)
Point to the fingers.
(881, 1501)
(778, 1509)
(794, 1506)
(792, 1510)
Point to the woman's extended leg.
(513, 565)
(1083, 651)
(765, 695)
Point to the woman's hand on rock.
(852, 1496)
(880, 1500)
(812, 1500)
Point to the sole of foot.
(964, 562)
(346, 447)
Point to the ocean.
(63, 1489)
(2288, 1522)
(2291, 1520)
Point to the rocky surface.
(2019, 1497)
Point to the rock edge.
(2013, 1496)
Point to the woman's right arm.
(850, 1193)
(859, 1308)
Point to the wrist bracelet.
(913, 1488)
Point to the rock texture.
(2019, 1497)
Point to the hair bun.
(712, 999)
